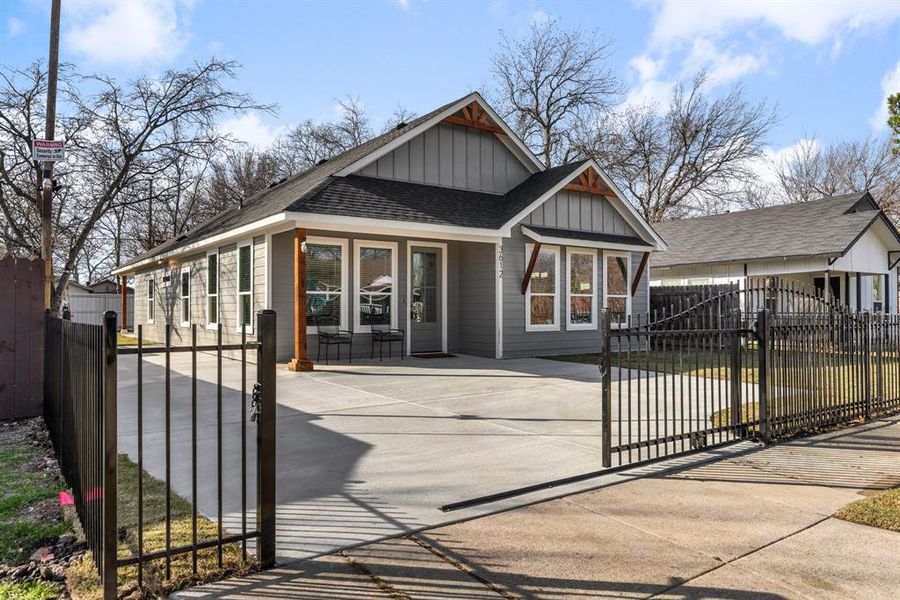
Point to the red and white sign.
(48, 150)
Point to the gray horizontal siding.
(168, 299)
(580, 211)
(452, 156)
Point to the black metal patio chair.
(329, 333)
(383, 333)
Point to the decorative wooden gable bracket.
(639, 273)
(590, 182)
(531, 261)
(474, 116)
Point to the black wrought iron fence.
(780, 361)
(82, 412)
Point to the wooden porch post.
(301, 361)
(124, 316)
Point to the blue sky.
(828, 66)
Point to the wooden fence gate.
(21, 337)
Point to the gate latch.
(256, 401)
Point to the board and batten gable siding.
(168, 299)
(580, 211)
(518, 343)
(452, 156)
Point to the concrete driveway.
(373, 449)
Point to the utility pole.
(50, 132)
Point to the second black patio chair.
(331, 334)
(383, 333)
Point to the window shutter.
(244, 268)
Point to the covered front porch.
(359, 295)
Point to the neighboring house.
(88, 302)
(447, 227)
(843, 246)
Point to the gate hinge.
(256, 401)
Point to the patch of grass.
(124, 339)
(17, 540)
(878, 510)
(30, 590)
(722, 418)
(28, 511)
(82, 579)
(154, 497)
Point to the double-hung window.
(185, 292)
(212, 290)
(326, 283)
(376, 285)
(151, 300)
(616, 297)
(582, 287)
(542, 294)
(245, 286)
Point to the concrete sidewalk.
(756, 524)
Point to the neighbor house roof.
(826, 227)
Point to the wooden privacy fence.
(21, 337)
(669, 298)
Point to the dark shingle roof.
(824, 227)
(589, 236)
(368, 197)
(277, 198)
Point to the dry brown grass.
(878, 510)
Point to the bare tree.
(811, 170)
(694, 156)
(309, 143)
(401, 116)
(550, 83)
(119, 137)
(240, 175)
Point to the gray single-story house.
(843, 246)
(447, 227)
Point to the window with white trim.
(376, 273)
(616, 297)
(326, 277)
(212, 290)
(245, 286)
(185, 293)
(151, 300)
(542, 293)
(582, 288)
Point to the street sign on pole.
(48, 150)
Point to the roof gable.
(470, 111)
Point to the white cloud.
(722, 66)
(132, 32)
(805, 21)
(249, 128)
(403, 4)
(647, 67)
(14, 27)
(766, 166)
(890, 84)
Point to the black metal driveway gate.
(81, 409)
(773, 360)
